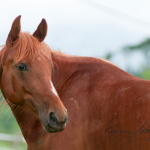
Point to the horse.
(64, 102)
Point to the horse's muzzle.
(54, 124)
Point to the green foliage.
(146, 74)
(143, 46)
(144, 49)
(109, 56)
(8, 123)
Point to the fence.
(14, 139)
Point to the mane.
(27, 47)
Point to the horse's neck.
(63, 67)
(28, 122)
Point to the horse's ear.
(41, 31)
(14, 32)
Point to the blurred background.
(118, 30)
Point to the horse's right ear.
(41, 31)
(14, 32)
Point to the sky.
(83, 27)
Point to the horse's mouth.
(47, 128)
(50, 129)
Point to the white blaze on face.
(53, 89)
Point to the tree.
(144, 49)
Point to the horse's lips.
(49, 129)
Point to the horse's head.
(25, 72)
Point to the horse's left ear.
(41, 31)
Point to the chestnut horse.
(108, 109)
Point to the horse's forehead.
(41, 62)
(41, 56)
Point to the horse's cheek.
(6, 84)
(7, 87)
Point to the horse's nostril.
(53, 120)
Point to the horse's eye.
(21, 67)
